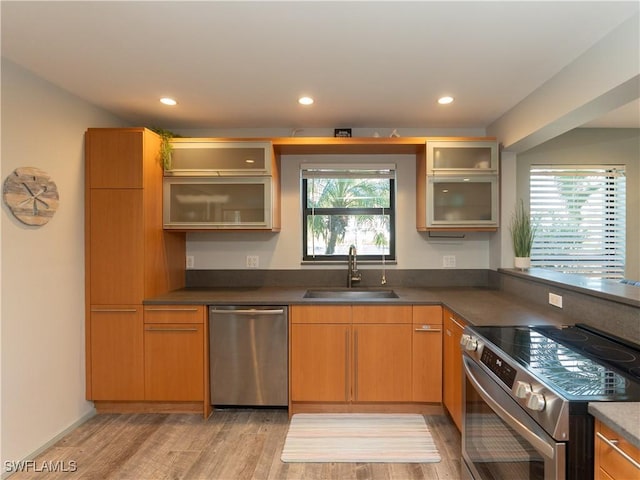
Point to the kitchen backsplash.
(337, 278)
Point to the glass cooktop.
(576, 361)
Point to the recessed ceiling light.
(168, 101)
(445, 100)
(305, 100)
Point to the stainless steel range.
(526, 393)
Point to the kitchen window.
(345, 205)
(581, 218)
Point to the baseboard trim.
(54, 440)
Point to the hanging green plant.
(165, 147)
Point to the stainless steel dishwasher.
(248, 355)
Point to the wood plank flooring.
(233, 444)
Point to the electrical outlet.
(190, 261)
(253, 261)
(555, 300)
(449, 261)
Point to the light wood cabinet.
(116, 346)
(128, 257)
(427, 354)
(349, 354)
(382, 363)
(116, 272)
(217, 184)
(452, 371)
(615, 457)
(174, 353)
(458, 185)
(320, 362)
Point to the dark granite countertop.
(478, 306)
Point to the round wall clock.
(31, 195)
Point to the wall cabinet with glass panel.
(217, 185)
(458, 187)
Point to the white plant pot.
(523, 263)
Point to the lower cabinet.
(381, 363)
(427, 354)
(116, 353)
(320, 362)
(452, 371)
(351, 353)
(174, 353)
(615, 458)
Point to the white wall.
(42, 270)
(603, 78)
(588, 146)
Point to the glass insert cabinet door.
(222, 158)
(456, 156)
(462, 201)
(217, 203)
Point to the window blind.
(580, 214)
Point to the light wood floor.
(231, 445)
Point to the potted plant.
(523, 231)
(165, 146)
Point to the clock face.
(31, 195)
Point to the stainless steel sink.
(350, 294)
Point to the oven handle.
(538, 443)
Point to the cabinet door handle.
(457, 323)
(346, 366)
(151, 329)
(427, 330)
(120, 310)
(177, 309)
(355, 364)
(612, 444)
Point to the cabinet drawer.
(427, 315)
(320, 314)
(382, 314)
(609, 457)
(174, 314)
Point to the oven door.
(499, 439)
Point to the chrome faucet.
(353, 275)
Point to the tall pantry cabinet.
(128, 257)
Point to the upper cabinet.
(215, 184)
(202, 157)
(458, 185)
(462, 157)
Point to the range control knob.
(536, 402)
(464, 339)
(472, 344)
(522, 389)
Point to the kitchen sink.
(350, 293)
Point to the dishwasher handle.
(248, 311)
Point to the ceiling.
(243, 64)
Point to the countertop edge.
(622, 417)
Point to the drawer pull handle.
(107, 310)
(612, 444)
(170, 309)
(149, 329)
(427, 330)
